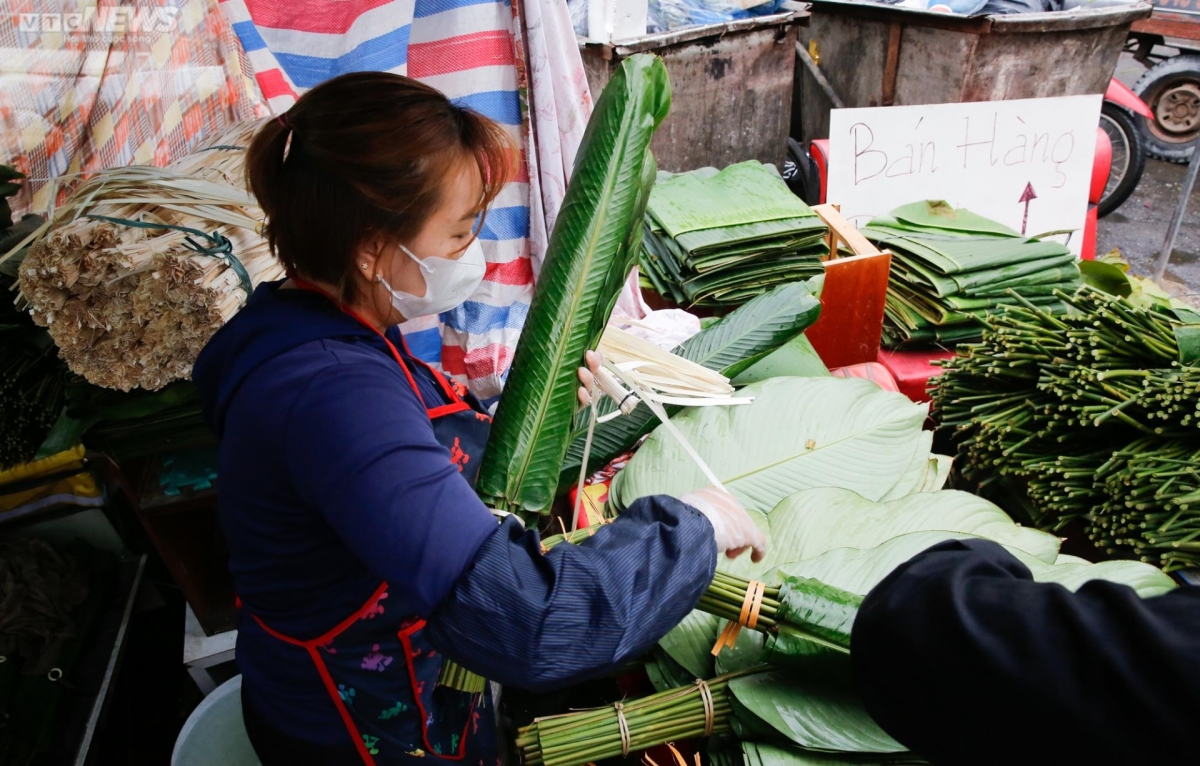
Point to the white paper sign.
(1025, 163)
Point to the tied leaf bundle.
(951, 267)
(1094, 413)
(591, 252)
(807, 623)
(719, 238)
(126, 425)
(142, 265)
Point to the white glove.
(733, 528)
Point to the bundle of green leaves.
(719, 238)
(951, 267)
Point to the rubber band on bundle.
(621, 722)
(751, 606)
(710, 717)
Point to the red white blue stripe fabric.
(465, 48)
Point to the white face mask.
(448, 283)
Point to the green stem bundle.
(575, 739)
(1093, 413)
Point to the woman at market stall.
(358, 548)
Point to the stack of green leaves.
(720, 238)
(125, 425)
(951, 267)
(1094, 414)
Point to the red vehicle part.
(1122, 96)
(820, 155)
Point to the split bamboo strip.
(130, 302)
(455, 676)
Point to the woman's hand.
(733, 528)
(587, 376)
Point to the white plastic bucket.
(214, 734)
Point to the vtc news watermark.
(106, 25)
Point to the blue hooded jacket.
(331, 481)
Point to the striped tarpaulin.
(464, 48)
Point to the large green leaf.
(754, 330)
(1072, 572)
(795, 359)
(815, 716)
(728, 346)
(815, 521)
(595, 243)
(859, 570)
(761, 754)
(830, 518)
(799, 433)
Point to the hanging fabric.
(558, 107)
(474, 51)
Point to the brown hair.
(368, 155)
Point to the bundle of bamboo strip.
(137, 271)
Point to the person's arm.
(539, 621)
(361, 450)
(962, 657)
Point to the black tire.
(1129, 156)
(807, 183)
(1171, 89)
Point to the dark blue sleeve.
(361, 450)
(963, 658)
(539, 621)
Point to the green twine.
(221, 247)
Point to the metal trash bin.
(861, 54)
(731, 87)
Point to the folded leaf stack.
(951, 267)
(719, 238)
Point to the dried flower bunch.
(143, 264)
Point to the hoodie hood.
(273, 322)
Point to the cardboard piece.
(851, 324)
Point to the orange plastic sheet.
(92, 85)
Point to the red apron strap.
(312, 646)
(359, 743)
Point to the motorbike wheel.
(1128, 156)
(1171, 89)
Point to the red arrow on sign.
(1027, 196)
